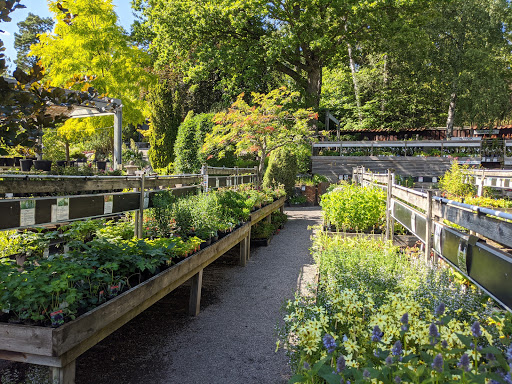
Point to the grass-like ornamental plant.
(382, 316)
(350, 207)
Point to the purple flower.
(398, 380)
(376, 334)
(397, 348)
(367, 374)
(440, 309)
(464, 362)
(307, 367)
(329, 343)
(432, 330)
(490, 356)
(475, 329)
(437, 364)
(508, 353)
(444, 344)
(340, 363)
(389, 360)
(405, 318)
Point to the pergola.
(92, 107)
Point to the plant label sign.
(108, 204)
(60, 211)
(27, 213)
(437, 238)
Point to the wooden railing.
(479, 250)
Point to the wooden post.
(140, 233)
(63, 375)
(257, 176)
(480, 191)
(195, 293)
(389, 217)
(243, 251)
(430, 224)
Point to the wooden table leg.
(63, 375)
(195, 293)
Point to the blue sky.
(40, 7)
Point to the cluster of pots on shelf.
(42, 165)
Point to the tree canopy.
(269, 122)
(87, 44)
(29, 29)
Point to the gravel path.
(233, 338)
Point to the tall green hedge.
(187, 150)
(166, 116)
(282, 169)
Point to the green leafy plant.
(350, 207)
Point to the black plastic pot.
(26, 164)
(2, 162)
(9, 161)
(17, 161)
(43, 165)
(61, 163)
(101, 165)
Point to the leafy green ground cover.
(105, 259)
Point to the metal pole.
(140, 233)
(389, 218)
(118, 138)
(430, 224)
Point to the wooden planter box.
(59, 347)
(267, 210)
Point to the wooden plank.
(494, 229)
(71, 185)
(410, 198)
(29, 358)
(64, 375)
(26, 339)
(265, 211)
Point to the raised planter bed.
(59, 347)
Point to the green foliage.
(262, 230)
(94, 49)
(166, 116)
(382, 314)
(29, 29)
(281, 170)
(191, 134)
(456, 182)
(350, 207)
(271, 122)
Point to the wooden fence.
(481, 252)
(59, 347)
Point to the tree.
(166, 100)
(271, 122)
(87, 44)
(191, 134)
(282, 169)
(29, 29)
(469, 58)
(250, 40)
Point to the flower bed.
(385, 316)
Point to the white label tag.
(108, 204)
(27, 213)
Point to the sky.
(40, 8)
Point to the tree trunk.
(261, 166)
(67, 151)
(354, 80)
(451, 115)
(384, 84)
